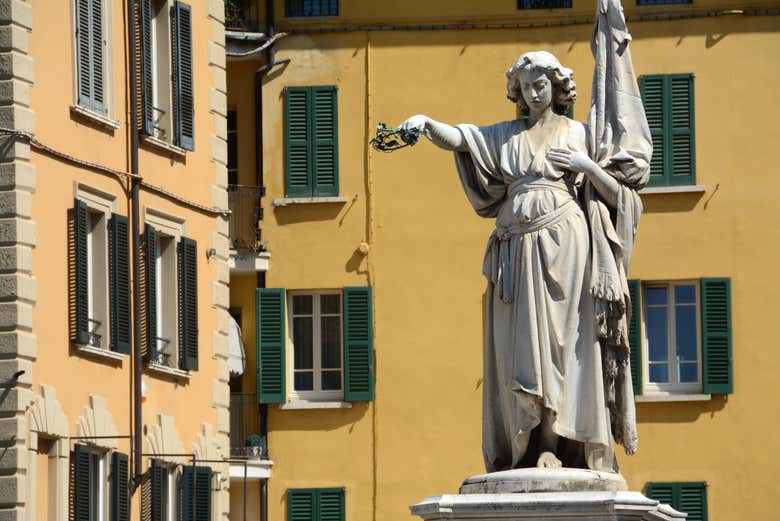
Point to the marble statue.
(557, 385)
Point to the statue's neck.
(540, 119)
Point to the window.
(315, 504)
(99, 484)
(176, 493)
(93, 54)
(164, 482)
(680, 336)
(311, 142)
(170, 295)
(669, 107)
(687, 497)
(232, 146)
(673, 344)
(100, 279)
(662, 2)
(329, 338)
(543, 4)
(296, 8)
(315, 325)
(166, 71)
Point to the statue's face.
(537, 89)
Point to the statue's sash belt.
(498, 264)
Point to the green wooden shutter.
(652, 90)
(119, 283)
(680, 129)
(120, 498)
(330, 504)
(669, 107)
(635, 334)
(157, 484)
(82, 483)
(687, 497)
(196, 493)
(301, 505)
(270, 340)
(325, 141)
(145, 21)
(358, 345)
(183, 102)
(298, 160)
(89, 55)
(80, 288)
(151, 242)
(716, 335)
(188, 304)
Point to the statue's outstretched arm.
(441, 134)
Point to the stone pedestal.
(545, 494)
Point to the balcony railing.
(241, 15)
(244, 203)
(245, 442)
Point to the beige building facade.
(81, 293)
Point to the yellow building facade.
(400, 225)
(83, 438)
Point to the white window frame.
(168, 228)
(315, 395)
(674, 387)
(108, 66)
(100, 492)
(100, 204)
(162, 70)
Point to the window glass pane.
(685, 294)
(689, 372)
(302, 304)
(331, 380)
(302, 340)
(304, 381)
(655, 296)
(657, 334)
(685, 331)
(330, 304)
(659, 373)
(331, 342)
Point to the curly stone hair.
(564, 86)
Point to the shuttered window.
(683, 342)
(543, 4)
(269, 321)
(119, 488)
(311, 141)
(84, 479)
(687, 497)
(669, 106)
(166, 67)
(90, 55)
(196, 493)
(315, 504)
(119, 283)
(188, 304)
(332, 350)
(297, 8)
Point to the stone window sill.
(287, 201)
(99, 352)
(686, 189)
(100, 119)
(303, 404)
(168, 371)
(164, 145)
(650, 398)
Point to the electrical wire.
(124, 176)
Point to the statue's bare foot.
(547, 460)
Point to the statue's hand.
(569, 159)
(415, 124)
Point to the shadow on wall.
(679, 412)
(295, 214)
(318, 419)
(671, 203)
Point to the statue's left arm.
(576, 161)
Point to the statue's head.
(538, 80)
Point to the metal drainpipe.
(137, 360)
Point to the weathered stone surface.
(543, 480)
